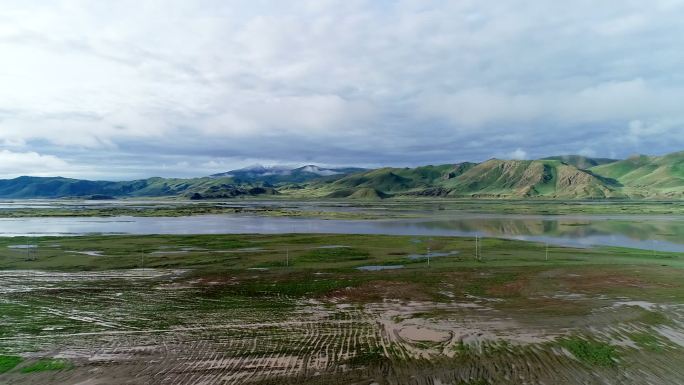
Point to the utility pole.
(428, 256)
(479, 248)
(142, 259)
(547, 251)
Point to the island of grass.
(8, 363)
(47, 364)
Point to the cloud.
(658, 132)
(14, 164)
(518, 154)
(168, 86)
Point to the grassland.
(345, 209)
(307, 251)
(176, 208)
(8, 363)
(551, 178)
(295, 309)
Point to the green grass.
(591, 352)
(480, 285)
(514, 280)
(8, 363)
(47, 364)
(370, 356)
(230, 252)
(397, 207)
(474, 382)
(651, 317)
(334, 255)
(647, 341)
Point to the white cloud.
(14, 164)
(519, 153)
(337, 81)
(586, 151)
(622, 25)
(658, 131)
(606, 101)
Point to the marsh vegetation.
(294, 308)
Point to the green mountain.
(562, 177)
(35, 187)
(57, 187)
(529, 178)
(387, 181)
(581, 162)
(493, 178)
(647, 176)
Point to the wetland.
(247, 298)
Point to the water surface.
(663, 233)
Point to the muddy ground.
(487, 324)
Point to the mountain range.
(283, 174)
(557, 177)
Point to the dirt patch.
(377, 291)
(548, 307)
(216, 280)
(600, 281)
(509, 289)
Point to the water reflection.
(646, 232)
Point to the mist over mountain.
(284, 174)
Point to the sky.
(131, 89)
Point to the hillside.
(561, 177)
(57, 187)
(35, 187)
(524, 178)
(579, 161)
(387, 181)
(492, 178)
(647, 176)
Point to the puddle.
(376, 268)
(642, 304)
(92, 253)
(421, 333)
(169, 252)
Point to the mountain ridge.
(559, 177)
(284, 174)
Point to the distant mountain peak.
(580, 161)
(278, 174)
(261, 168)
(319, 170)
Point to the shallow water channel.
(658, 233)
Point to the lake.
(660, 233)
